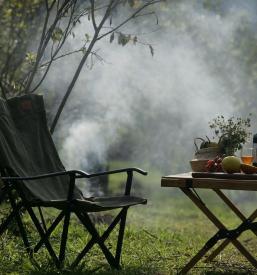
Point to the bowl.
(198, 165)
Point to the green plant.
(232, 133)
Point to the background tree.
(54, 21)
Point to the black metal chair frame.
(12, 183)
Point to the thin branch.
(93, 13)
(134, 15)
(61, 56)
(46, 3)
(40, 47)
(60, 44)
(80, 66)
(46, 40)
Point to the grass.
(160, 238)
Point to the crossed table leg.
(240, 216)
(221, 234)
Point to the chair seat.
(106, 203)
(95, 204)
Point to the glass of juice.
(247, 155)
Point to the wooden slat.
(172, 182)
(185, 180)
(237, 176)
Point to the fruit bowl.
(198, 165)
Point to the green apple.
(231, 164)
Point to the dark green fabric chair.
(30, 165)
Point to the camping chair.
(30, 166)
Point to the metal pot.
(205, 153)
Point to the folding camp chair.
(30, 166)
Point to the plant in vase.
(232, 133)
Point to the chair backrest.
(27, 148)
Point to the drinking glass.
(247, 155)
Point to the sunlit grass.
(160, 238)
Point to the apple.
(231, 164)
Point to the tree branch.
(134, 15)
(93, 13)
(80, 66)
(57, 49)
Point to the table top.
(211, 181)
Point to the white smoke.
(167, 99)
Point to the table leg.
(194, 260)
(219, 225)
(238, 213)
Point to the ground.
(160, 237)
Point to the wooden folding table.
(216, 182)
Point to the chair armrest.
(124, 170)
(81, 174)
(129, 172)
(49, 175)
(77, 173)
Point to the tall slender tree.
(55, 21)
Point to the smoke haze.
(162, 102)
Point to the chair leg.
(121, 235)
(49, 231)
(84, 218)
(92, 241)
(42, 235)
(22, 230)
(64, 237)
(5, 224)
(42, 218)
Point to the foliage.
(19, 21)
(232, 133)
(24, 64)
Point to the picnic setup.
(128, 137)
(216, 173)
(33, 177)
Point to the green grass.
(160, 238)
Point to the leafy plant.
(232, 133)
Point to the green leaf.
(123, 39)
(151, 50)
(84, 50)
(112, 37)
(30, 58)
(57, 35)
(87, 37)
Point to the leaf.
(30, 58)
(135, 40)
(131, 3)
(57, 35)
(151, 50)
(112, 37)
(87, 37)
(84, 50)
(123, 39)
